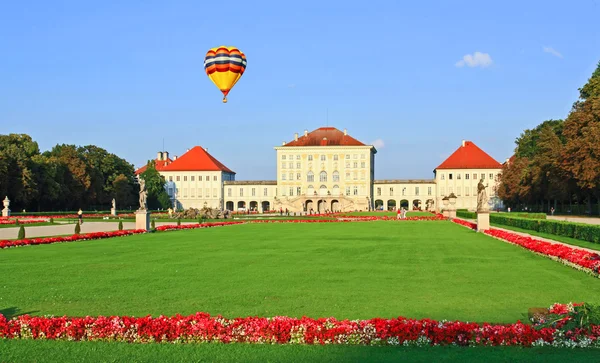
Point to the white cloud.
(553, 51)
(379, 144)
(476, 59)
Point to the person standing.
(552, 211)
(399, 213)
(80, 216)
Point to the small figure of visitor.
(398, 214)
(80, 216)
(552, 211)
(508, 209)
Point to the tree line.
(557, 164)
(67, 177)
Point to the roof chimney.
(283, 143)
(345, 132)
(159, 155)
(463, 143)
(296, 136)
(305, 132)
(165, 155)
(206, 149)
(175, 157)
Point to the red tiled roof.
(469, 156)
(197, 159)
(159, 164)
(325, 136)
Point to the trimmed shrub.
(463, 213)
(21, 233)
(580, 231)
(120, 225)
(152, 225)
(51, 220)
(77, 228)
(17, 222)
(179, 221)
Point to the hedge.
(466, 214)
(580, 231)
(463, 213)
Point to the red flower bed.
(73, 238)
(202, 327)
(572, 256)
(173, 227)
(22, 221)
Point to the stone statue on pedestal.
(481, 197)
(143, 194)
(114, 204)
(6, 211)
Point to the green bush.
(51, 220)
(580, 231)
(152, 225)
(77, 228)
(529, 215)
(463, 213)
(120, 225)
(179, 221)
(21, 233)
(17, 222)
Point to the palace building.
(326, 170)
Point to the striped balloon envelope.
(225, 66)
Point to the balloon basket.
(224, 99)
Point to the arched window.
(310, 177)
(336, 176)
(323, 176)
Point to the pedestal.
(142, 220)
(452, 213)
(446, 213)
(5, 212)
(113, 212)
(483, 221)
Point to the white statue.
(114, 204)
(143, 193)
(481, 197)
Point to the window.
(491, 176)
(298, 176)
(214, 192)
(283, 165)
(192, 192)
(458, 191)
(442, 176)
(347, 190)
(310, 177)
(391, 191)
(253, 192)
(348, 165)
(474, 176)
(215, 178)
(355, 156)
(192, 178)
(177, 178)
(199, 177)
(283, 192)
(199, 192)
(291, 165)
(378, 191)
(458, 176)
(362, 176)
(362, 164)
(355, 190)
(449, 176)
(467, 176)
(336, 176)
(297, 165)
(229, 192)
(291, 191)
(403, 191)
(482, 176)
(265, 192)
(207, 192)
(309, 157)
(355, 176)
(347, 158)
(355, 164)
(416, 190)
(467, 191)
(282, 157)
(335, 157)
(170, 178)
(347, 176)
(323, 158)
(241, 192)
(185, 192)
(185, 178)
(297, 157)
(323, 176)
(428, 190)
(298, 190)
(291, 176)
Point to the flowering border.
(571, 256)
(203, 328)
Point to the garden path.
(588, 220)
(68, 229)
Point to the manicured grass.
(60, 351)
(424, 269)
(568, 240)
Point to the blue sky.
(125, 75)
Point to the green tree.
(123, 191)
(155, 185)
(17, 178)
(21, 234)
(120, 225)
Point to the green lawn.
(347, 270)
(59, 351)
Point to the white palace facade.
(325, 170)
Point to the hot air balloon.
(224, 66)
